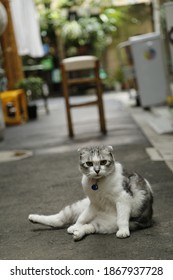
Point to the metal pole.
(156, 15)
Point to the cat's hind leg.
(67, 215)
(52, 220)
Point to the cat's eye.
(103, 162)
(89, 163)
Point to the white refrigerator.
(150, 69)
(169, 26)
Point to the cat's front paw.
(123, 233)
(77, 231)
(72, 229)
(78, 234)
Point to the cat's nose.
(97, 171)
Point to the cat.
(116, 201)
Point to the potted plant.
(33, 87)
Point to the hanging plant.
(72, 30)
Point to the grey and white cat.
(116, 201)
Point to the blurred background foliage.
(82, 23)
(93, 27)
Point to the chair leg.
(101, 113)
(66, 97)
(100, 101)
(69, 119)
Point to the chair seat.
(79, 62)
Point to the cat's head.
(96, 162)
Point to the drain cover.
(14, 155)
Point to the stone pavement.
(49, 179)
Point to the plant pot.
(32, 111)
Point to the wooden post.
(11, 60)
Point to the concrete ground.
(49, 179)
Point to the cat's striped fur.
(116, 201)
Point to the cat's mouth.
(96, 176)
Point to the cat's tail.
(144, 220)
(134, 225)
(67, 215)
(141, 222)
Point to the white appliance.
(169, 26)
(150, 70)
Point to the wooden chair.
(78, 64)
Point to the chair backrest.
(79, 62)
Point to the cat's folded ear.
(79, 150)
(110, 148)
(82, 150)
